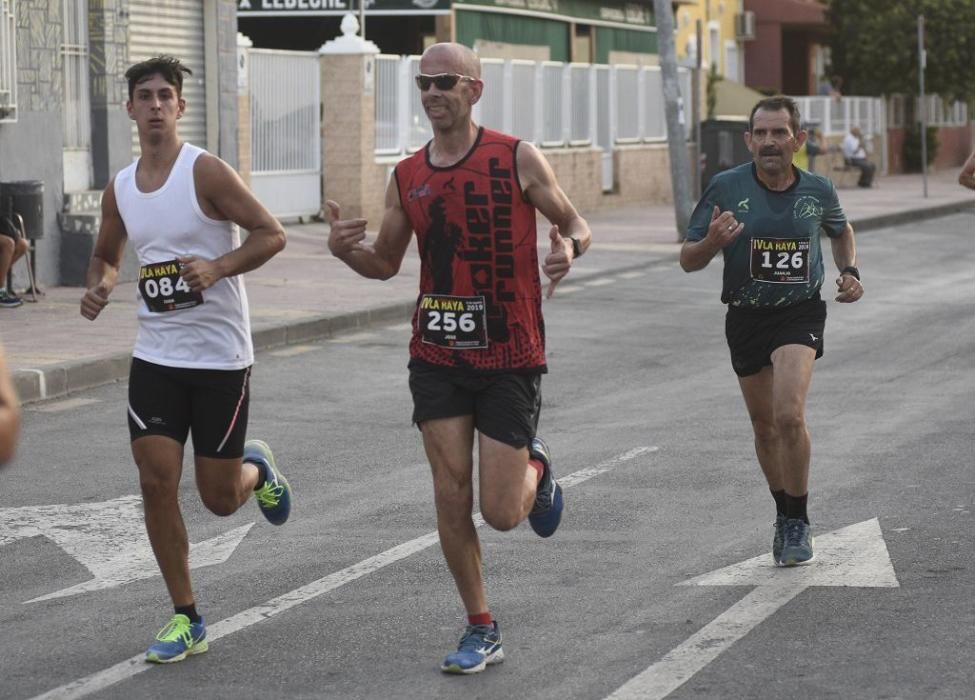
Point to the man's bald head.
(450, 57)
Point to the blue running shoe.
(274, 497)
(177, 640)
(778, 538)
(480, 646)
(547, 512)
(797, 547)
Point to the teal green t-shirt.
(777, 259)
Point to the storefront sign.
(629, 13)
(293, 8)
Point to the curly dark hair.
(168, 67)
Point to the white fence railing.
(834, 116)
(8, 60)
(554, 105)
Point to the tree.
(874, 46)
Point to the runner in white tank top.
(181, 208)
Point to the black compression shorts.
(174, 401)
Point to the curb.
(870, 223)
(59, 380)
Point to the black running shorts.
(173, 401)
(753, 334)
(505, 406)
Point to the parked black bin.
(723, 146)
(24, 198)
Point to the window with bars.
(8, 60)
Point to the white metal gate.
(286, 151)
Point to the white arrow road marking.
(109, 539)
(854, 556)
(135, 665)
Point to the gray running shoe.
(778, 538)
(9, 300)
(797, 549)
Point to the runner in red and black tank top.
(477, 238)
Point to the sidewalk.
(305, 293)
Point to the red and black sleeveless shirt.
(480, 301)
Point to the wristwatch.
(576, 247)
(850, 270)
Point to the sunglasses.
(442, 81)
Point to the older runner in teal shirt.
(766, 218)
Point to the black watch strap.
(576, 247)
(850, 270)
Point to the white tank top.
(169, 223)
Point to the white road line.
(632, 275)
(600, 282)
(135, 665)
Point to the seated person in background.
(12, 247)
(856, 155)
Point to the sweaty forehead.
(154, 81)
(765, 119)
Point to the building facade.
(62, 116)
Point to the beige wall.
(357, 180)
(642, 178)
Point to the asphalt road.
(351, 598)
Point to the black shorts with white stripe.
(210, 404)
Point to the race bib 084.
(780, 260)
(458, 323)
(164, 290)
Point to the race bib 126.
(458, 323)
(780, 260)
(164, 290)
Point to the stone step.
(82, 200)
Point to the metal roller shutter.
(173, 27)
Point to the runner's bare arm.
(9, 413)
(382, 258)
(967, 175)
(723, 229)
(845, 255)
(222, 195)
(105, 260)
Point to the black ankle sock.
(779, 497)
(795, 507)
(189, 611)
(261, 474)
